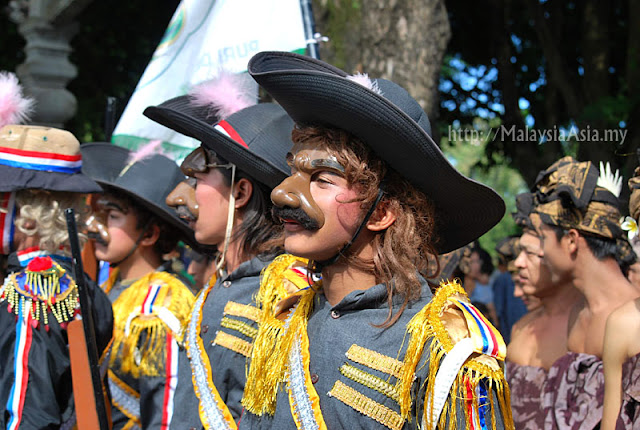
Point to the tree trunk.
(400, 40)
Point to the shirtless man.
(577, 216)
(622, 345)
(540, 337)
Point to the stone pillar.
(47, 70)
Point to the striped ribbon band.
(7, 216)
(171, 381)
(44, 161)
(18, 391)
(227, 129)
(26, 255)
(483, 333)
(152, 294)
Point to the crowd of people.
(313, 264)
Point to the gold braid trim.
(239, 326)
(375, 360)
(366, 406)
(267, 363)
(233, 343)
(427, 324)
(370, 381)
(239, 310)
(143, 350)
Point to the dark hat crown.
(151, 180)
(266, 130)
(403, 100)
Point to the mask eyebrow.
(329, 163)
(109, 204)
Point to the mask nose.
(282, 197)
(97, 227)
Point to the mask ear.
(382, 218)
(243, 190)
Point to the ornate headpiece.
(572, 194)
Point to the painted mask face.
(7, 218)
(211, 194)
(183, 200)
(201, 160)
(96, 223)
(316, 204)
(120, 224)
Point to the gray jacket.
(228, 366)
(346, 349)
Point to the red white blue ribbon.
(43, 161)
(7, 217)
(15, 404)
(483, 333)
(152, 294)
(171, 381)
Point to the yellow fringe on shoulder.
(142, 351)
(427, 324)
(268, 360)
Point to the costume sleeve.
(455, 355)
(150, 316)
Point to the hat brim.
(315, 93)
(179, 114)
(14, 179)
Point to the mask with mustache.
(297, 215)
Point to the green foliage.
(470, 158)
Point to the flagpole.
(309, 29)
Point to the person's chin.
(303, 249)
(100, 251)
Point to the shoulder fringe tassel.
(140, 348)
(427, 324)
(270, 349)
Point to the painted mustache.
(297, 215)
(96, 236)
(185, 214)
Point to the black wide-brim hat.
(103, 161)
(256, 139)
(148, 182)
(394, 125)
(44, 158)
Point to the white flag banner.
(204, 37)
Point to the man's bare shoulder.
(527, 319)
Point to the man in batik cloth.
(576, 213)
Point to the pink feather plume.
(364, 80)
(14, 106)
(226, 94)
(145, 151)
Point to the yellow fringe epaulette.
(43, 287)
(446, 320)
(149, 310)
(279, 280)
